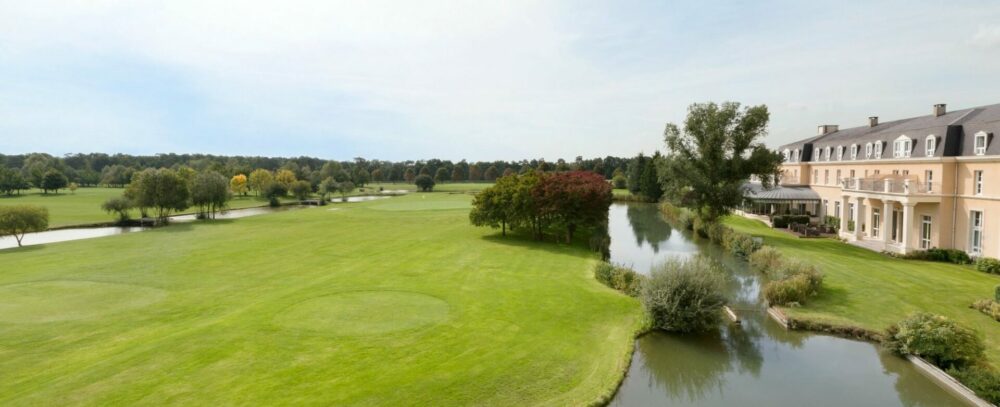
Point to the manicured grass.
(336, 305)
(871, 290)
(84, 206)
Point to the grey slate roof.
(757, 192)
(955, 133)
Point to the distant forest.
(116, 170)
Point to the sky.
(473, 80)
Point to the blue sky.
(475, 80)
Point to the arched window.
(840, 153)
(828, 153)
(878, 149)
(901, 147)
(981, 143)
(816, 154)
(868, 150)
(854, 151)
(787, 154)
(930, 145)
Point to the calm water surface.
(757, 363)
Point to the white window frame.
(976, 232)
(929, 180)
(788, 155)
(836, 209)
(976, 148)
(977, 182)
(828, 151)
(876, 221)
(878, 150)
(795, 155)
(901, 147)
(926, 223)
(816, 154)
(854, 151)
(868, 150)
(826, 177)
(840, 153)
(930, 145)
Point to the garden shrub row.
(737, 243)
(954, 256)
(988, 307)
(619, 277)
(782, 221)
(988, 265)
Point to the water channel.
(756, 363)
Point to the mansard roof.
(955, 133)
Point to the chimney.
(826, 129)
(872, 121)
(939, 110)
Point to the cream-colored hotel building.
(910, 184)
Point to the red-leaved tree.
(570, 200)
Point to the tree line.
(21, 172)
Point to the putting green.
(67, 300)
(365, 313)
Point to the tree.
(635, 168)
(259, 180)
(11, 181)
(210, 193)
(286, 178)
(573, 199)
(442, 175)
(494, 206)
(345, 188)
(377, 176)
(491, 173)
(649, 185)
(327, 187)
(361, 177)
(53, 180)
(238, 184)
(301, 190)
(425, 170)
(274, 192)
(424, 182)
(719, 148)
(73, 187)
(116, 175)
(163, 190)
(508, 171)
(409, 176)
(474, 173)
(17, 220)
(120, 206)
(330, 169)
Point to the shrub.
(988, 307)
(813, 276)
(119, 206)
(618, 277)
(942, 255)
(619, 181)
(996, 293)
(741, 244)
(787, 291)
(988, 265)
(935, 338)
(684, 295)
(981, 379)
(779, 222)
(764, 260)
(425, 183)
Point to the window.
(795, 155)
(868, 150)
(816, 154)
(840, 153)
(980, 143)
(976, 232)
(854, 151)
(850, 216)
(788, 155)
(930, 144)
(838, 176)
(826, 176)
(828, 153)
(836, 209)
(929, 180)
(852, 173)
(901, 147)
(977, 178)
(878, 149)
(876, 221)
(826, 208)
(906, 172)
(877, 172)
(815, 177)
(925, 233)
(895, 172)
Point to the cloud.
(987, 36)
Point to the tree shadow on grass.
(525, 241)
(30, 248)
(181, 227)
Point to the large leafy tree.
(573, 199)
(53, 180)
(162, 190)
(649, 182)
(716, 151)
(209, 192)
(635, 169)
(259, 180)
(238, 184)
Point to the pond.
(65, 235)
(757, 362)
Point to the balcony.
(887, 185)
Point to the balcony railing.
(904, 186)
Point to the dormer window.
(878, 150)
(980, 147)
(868, 150)
(795, 155)
(901, 147)
(840, 153)
(854, 151)
(930, 145)
(828, 153)
(816, 154)
(787, 155)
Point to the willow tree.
(715, 153)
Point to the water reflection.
(756, 363)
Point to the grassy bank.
(869, 290)
(390, 302)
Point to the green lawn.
(871, 290)
(348, 304)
